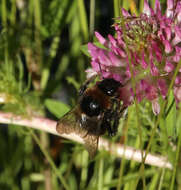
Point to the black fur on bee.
(98, 111)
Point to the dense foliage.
(43, 57)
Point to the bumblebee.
(98, 110)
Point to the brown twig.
(119, 150)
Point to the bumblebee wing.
(91, 144)
(70, 123)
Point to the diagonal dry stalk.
(119, 150)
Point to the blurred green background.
(42, 64)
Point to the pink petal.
(117, 77)
(177, 94)
(115, 60)
(157, 5)
(143, 62)
(120, 39)
(177, 56)
(168, 33)
(178, 50)
(121, 52)
(128, 72)
(112, 40)
(155, 106)
(168, 67)
(158, 8)
(156, 49)
(151, 92)
(162, 87)
(146, 8)
(168, 47)
(144, 85)
(125, 13)
(177, 37)
(154, 69)
(178, 81)
(126, 96)
(178, 11)
(103, 58)
(95, 66)
(139, 92)
(101, 39)
(136, 58)
(92, 49)
(169, 11)
(105, 74)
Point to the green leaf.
(57, 108)
(170, 119)
(72, 81)
(84, 49)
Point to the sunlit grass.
(40, 61)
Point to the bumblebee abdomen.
(90, 106)
(94, 102)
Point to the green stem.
(83, 19)
(47, 156)
(117, 7)
(133, 84)
(92, 17)
(178, 152)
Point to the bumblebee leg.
(85, 85)
(117, 113)
(122, 111)
(111, 120)
(117, 116)
(110, 131)
(106, 122)
(115, 123)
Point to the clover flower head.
(146, 47)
